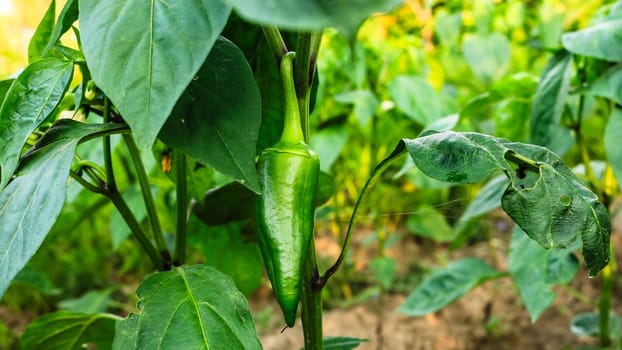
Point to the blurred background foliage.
(468, 65)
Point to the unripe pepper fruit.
(288, 176)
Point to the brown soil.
(489, 317)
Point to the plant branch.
(110, 180)
(147, 197)
(182, 209)
(312, 303)
(378, 170)
(307, 48)
(275, 41)
(138, 232)
(89, 186)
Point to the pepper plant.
(212, 84)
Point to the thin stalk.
(604, 304)
(307, 48)
(275, 42)
(147, 197)
(89, 186)
(134, 226)
(182, 208)
(110, 180)
(312, 304)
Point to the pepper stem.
(292, 129)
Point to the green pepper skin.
(288, 175)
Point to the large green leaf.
(345, 15)
(613, 135)
(66, 18)
(189, 307)
(217, 119)
(548, 104)
(143, 54)
(65, 330)
(4, 88)
(446, 285)
(42, 34)
(601, 40)
(416, 98)
(32, 201)
(29, 101)
(535, 270)
(543, 197)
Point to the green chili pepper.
(288, 175)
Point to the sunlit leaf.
(143, 54)
(601, 40)
(613, 135)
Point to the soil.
(489, 317)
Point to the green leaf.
(536, 270)
(32, 201)
(66, 18)
(487, 199)
(446, 285)
(232, 249)
(33, 278)
(416, 98)
(456, 157)
(328, 143)
(143, 54)
(430, 223)
(64, 330)
(32, 97)
(342, 343)
(607, 85)
(92, 302)
(217, 119)
(365, 104)
(189, 307)
(601, 40)
(4, 88)
(383, 269)
(548, 104)
(42, 34)
(309, 15)
(588, 324)
(488, 55)
(544, 197)
(613, 135)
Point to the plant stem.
(112, 184)
(312, 303)
(275, 42)
(307, 47)
(138, 232)
(147, 197)
(182, 209)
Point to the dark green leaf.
(143, 54)
(588, 324)
(4, 88)
(189, 307)
(446, 285)
(608, 85)
(42, 34)
(613, 135)
(216, 122)
(535, 270)
(232, 250)
(430, 223)
(548, 104)
(65, 330)
(33, 278)
(601, 40)
(29, 101)
(91, 302)
(325, 189)
(346, 16)
(66, 18)
(32, 201)
(416, 98)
